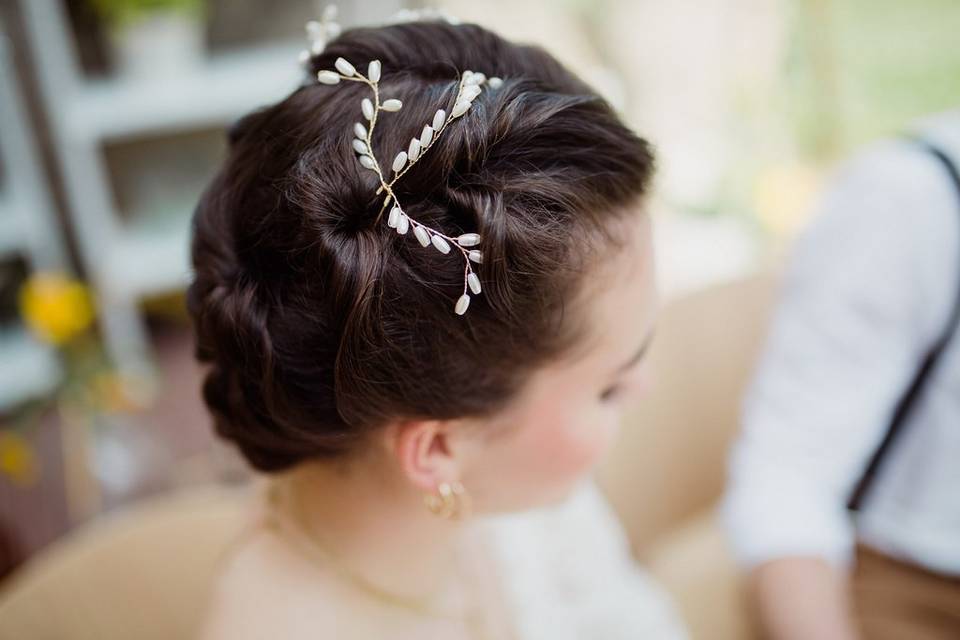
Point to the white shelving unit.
(28, 229)
(125, 261)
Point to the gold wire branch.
(469, 87)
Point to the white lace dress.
(570, 575)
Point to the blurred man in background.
(856, 405)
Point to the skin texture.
(798, 598)
(367, 510)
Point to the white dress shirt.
(871, 284)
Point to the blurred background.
(112, 115)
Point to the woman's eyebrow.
(635, 358)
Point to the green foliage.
(120, 12)
(861, 69)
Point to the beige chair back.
(144, 572)
(668, 470)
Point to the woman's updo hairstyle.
(321, 325)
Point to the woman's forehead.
(623, 307)
(621, 303)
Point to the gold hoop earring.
(451, 501)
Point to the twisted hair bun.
(320, 325)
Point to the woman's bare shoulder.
(264, 589)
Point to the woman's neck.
(376, 527)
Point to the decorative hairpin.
(425, 13)
(320, 32)
(468, 90)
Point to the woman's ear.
(424, 452)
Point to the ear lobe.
(423, 451)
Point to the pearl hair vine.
(469, 87)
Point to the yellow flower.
(17, 459)
(55, 306)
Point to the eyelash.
(610, 393)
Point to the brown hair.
(321, 325)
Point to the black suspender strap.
(909, 399)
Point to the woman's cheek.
(578, 445)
